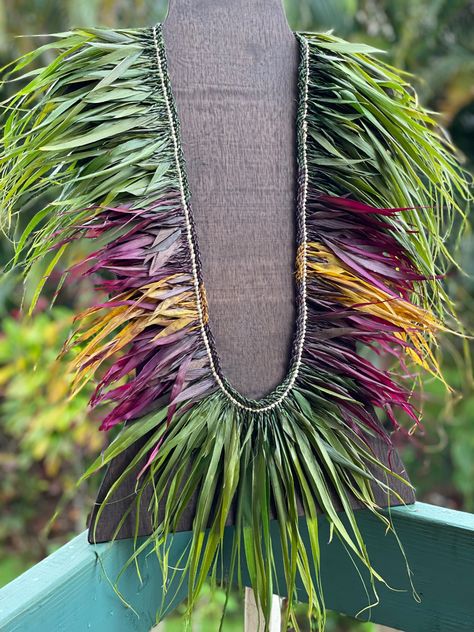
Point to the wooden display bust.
(233, 65)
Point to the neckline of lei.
(280, 392)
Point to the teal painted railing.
(69, 591)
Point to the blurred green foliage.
(46, 439)
(49, 426)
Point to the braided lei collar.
(100, 126)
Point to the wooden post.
(254, 621)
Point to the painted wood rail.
(69, 591)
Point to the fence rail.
(69, 590)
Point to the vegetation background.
(46, 440)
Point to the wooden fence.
(69, 590)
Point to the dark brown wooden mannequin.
(233, 66)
